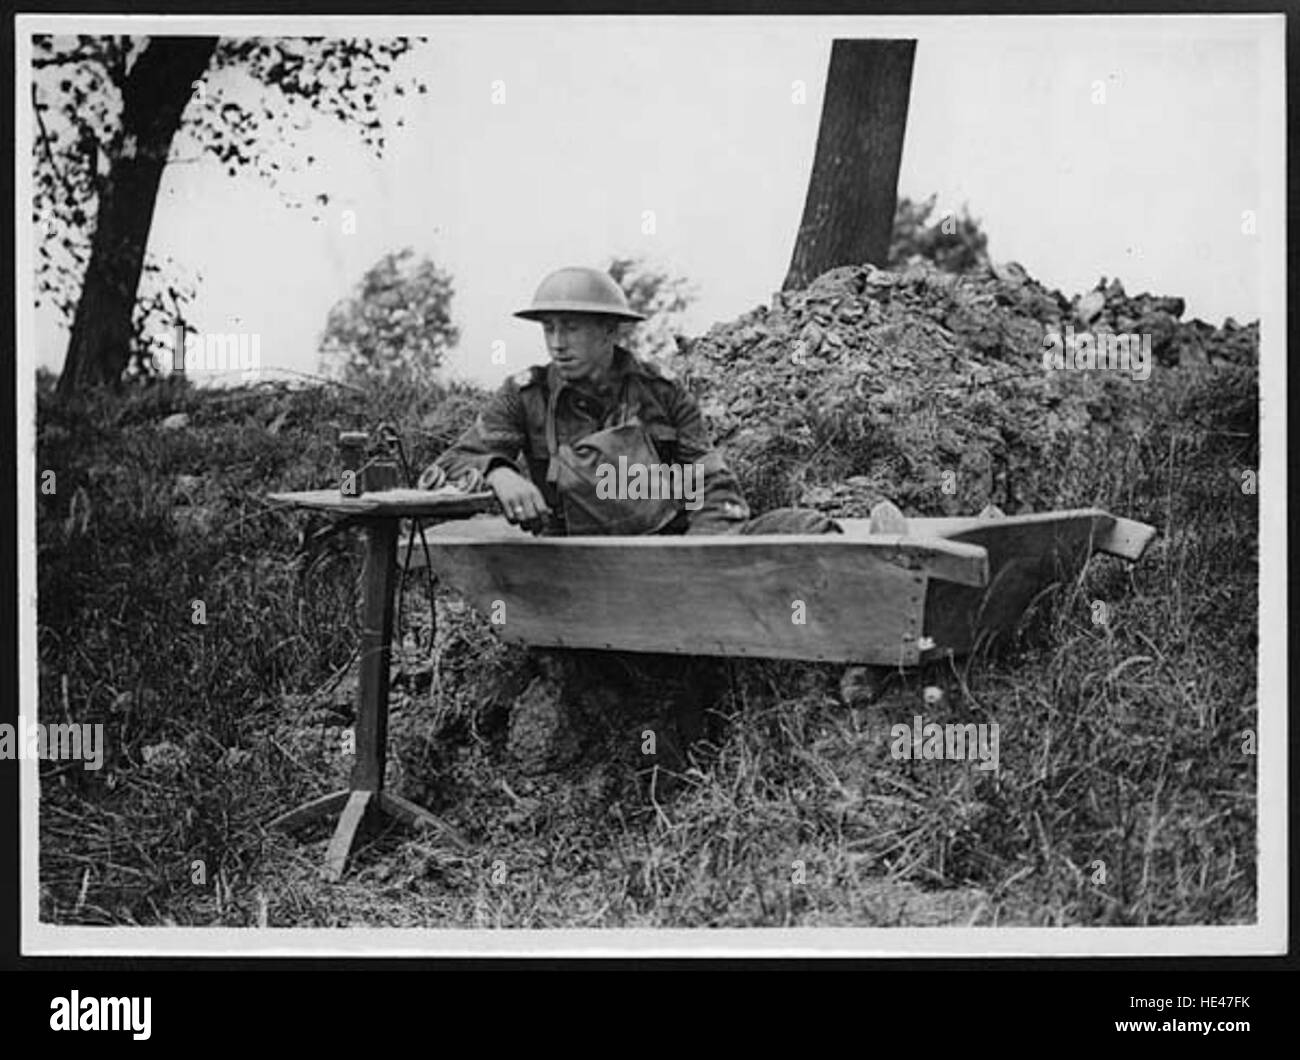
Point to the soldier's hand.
(520, 499)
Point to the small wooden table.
(379, 514)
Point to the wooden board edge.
(1125, 538)
(945, 560)
(342, 506)
(447, 507)
(936, 557)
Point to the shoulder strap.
(552, 445)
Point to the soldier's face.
(581, 345)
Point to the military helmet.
(579, 290)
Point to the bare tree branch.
(45, 142)
(42, 61)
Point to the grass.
(1123, 798)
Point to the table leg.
(406, 810)
(365, 797)
(349, 827)
(367, 780)
(310, 811)
(376, 642)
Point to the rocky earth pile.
(930, 388)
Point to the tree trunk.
(153, 99)
(848, 216)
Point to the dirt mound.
(930, 387)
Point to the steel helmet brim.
(539, 312)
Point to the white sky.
(693, 118)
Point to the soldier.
(594, 408)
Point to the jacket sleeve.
(723, 509)
(494, 440)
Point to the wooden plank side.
(1026, 554)
(707, 596)
(955, 526)
(1114, 535)
(936, 557)
(1127, 538)
(479, 528)
(979, 576)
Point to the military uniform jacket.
(513, 425)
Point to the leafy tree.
(662, 297)
(955, 243)
(396, 328)
(111, 112)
